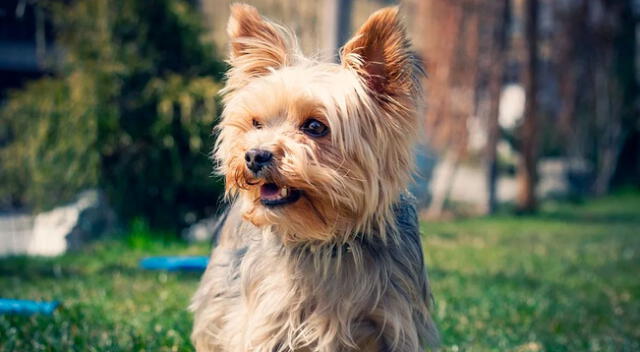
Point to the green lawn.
(567, 279)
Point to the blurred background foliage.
(129, 109)
(527, 100)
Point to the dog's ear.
(380, 53)
(256, 45)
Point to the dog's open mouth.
(272, 195)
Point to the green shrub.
(130, 110)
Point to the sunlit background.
(528, 165)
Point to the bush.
(130, 110)
(48, 159)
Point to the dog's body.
(320, 250)
(365, 295)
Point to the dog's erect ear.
(256, 45)
(380, 53)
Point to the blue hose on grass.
(26, 307)
(183, 263)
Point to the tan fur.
(332, 271)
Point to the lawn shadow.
(29, 268)
(32, 269)
(591, 218)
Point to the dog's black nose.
(257, 159)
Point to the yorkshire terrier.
(320, 249)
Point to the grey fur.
(260, 295)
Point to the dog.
(320, 249)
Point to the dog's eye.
(314, 128)
(256, 124)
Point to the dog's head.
(321, 151)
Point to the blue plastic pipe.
(183, 263)
(19, 306)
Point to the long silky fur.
(259, 295)
(342, 268)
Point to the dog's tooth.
(284, 191)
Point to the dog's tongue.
(269, 190)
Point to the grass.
(567, 279)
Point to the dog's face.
(320, 151)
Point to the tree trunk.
(527, 173)
(616, 89)
(336, 26)
(608, 118)
(451, 163)
(496, 77)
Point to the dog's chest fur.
(258, 295)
